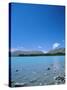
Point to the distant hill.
(60, 51)
(23, 53)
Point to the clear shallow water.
(40, 70)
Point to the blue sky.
(37, 27)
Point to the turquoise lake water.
(38, 70)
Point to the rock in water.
(48, 68)
(59, 78)
(17, 70)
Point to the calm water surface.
(40, 70)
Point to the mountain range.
(59, 51)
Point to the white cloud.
(14, 49)
(55, 45)
(39, 46)
(44, 51)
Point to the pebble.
(40, 84)
(60, 79)
(20, 85)
(32, 81)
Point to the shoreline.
(34, 55)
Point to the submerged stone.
(48, 68)
(59, 78)
(17, 70)
(32, 81)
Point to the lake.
(37, 70)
